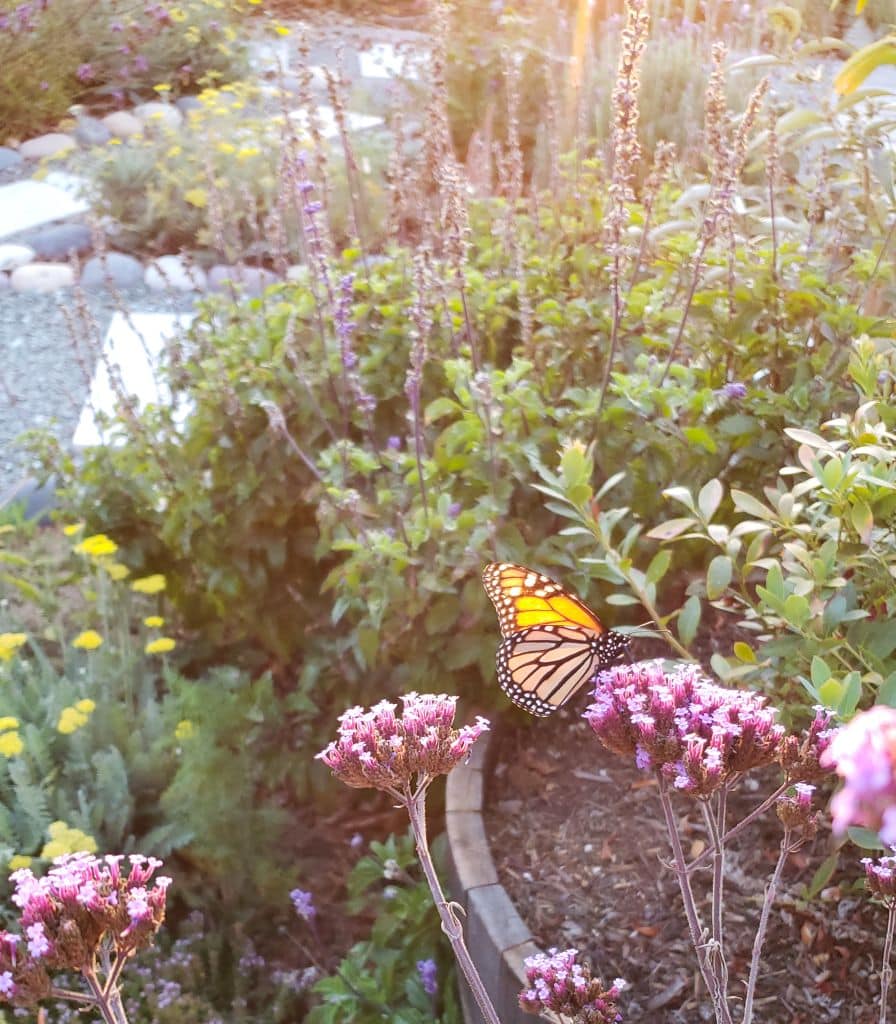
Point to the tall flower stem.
(707, 971)
(886, 972)
(715, 823)
(741, 825)
(770, 894)
(415, 801)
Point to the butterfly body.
(552, 642)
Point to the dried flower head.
(679, 723)
(376, 748)
(559, 984)
(863, 753)
(82, 903)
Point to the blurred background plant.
(108, 52)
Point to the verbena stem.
(451, 926)
(886, 971)
(705, 964)
(770, 894)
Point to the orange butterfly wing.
(524, 598)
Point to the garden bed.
(580, 848)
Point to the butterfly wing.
(524, 598)
(541, 667)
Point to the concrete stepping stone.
(26, 204)
(328, 127)
(382, 60)
(132, 348)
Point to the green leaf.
(863, 62)
(689, 619)
(822, 876)
(864, 837)
(701, 437)
(796, 610)
(718, 576)
(820, 672)
(852, 692)
(862, 520)
(753, 507)
(709, 498)
(887, 692)
(806, 437)
(659, 566)
(774, 581)
(621, 599)
(744, 652)
(671, 528)
(830, 693)
(832, 473)
(682, 495)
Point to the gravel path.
(41, 381)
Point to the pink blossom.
(863, 753)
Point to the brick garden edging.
(497, 937)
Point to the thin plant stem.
(880, 256)
(715, 823)
(886, 971)
(710, 979)
(770, 894)
(451, 926)
(741, 825)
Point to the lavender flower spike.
(428, 972)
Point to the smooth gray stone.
(90, 131)
(248, 280)
(9, 158)
(124, 271)
(60, 241)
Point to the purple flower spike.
(304, 904)
(559, 984)
(378, 749)
(733, 391)
(863, 753)
(428, 974)
(699, 735)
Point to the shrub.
(107, 51)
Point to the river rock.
(42, 277)
(60, 241)
(123, 124)
(12, 256)
(123, 271)
(174, 273)
(51, 144)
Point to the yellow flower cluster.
(89, 640)
(154, 584)
(184, 730)
(19, 860)
(10, 741)
(162, 645)
(74, 717)
(10, 643)
(66, 840)
(98, 545)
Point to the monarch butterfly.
(552, 643)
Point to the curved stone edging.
(497, 937)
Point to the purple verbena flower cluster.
(559, 984)
(880, 876)
(378, 749)
(863, 753)
(700, 735)
(428, 972)
(303, 902)
(345, 328)
(82, 902)
(795, 810)
(802, 756)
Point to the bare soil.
(580, 845)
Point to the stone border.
(497, 937)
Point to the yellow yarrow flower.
(184, 730)
(154, 621)
(162, 87)
(19, 861)
(176, 14)
(85, 706)
(163, 645)
(10, 643)
(11, 744)
(67, 840)
(116, 570)
(97, 545)
(8, 722)
(72, 529)
(226, 147)
(89, 640)
(197, 197)
(281, 30)
(149, 584)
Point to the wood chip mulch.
(579, 842)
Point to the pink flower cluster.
(378, 749)
(802, 757)
(880, 876)
(863, 753)
(81, 902)
(559, 984)
(700, 735)
(795, 812)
